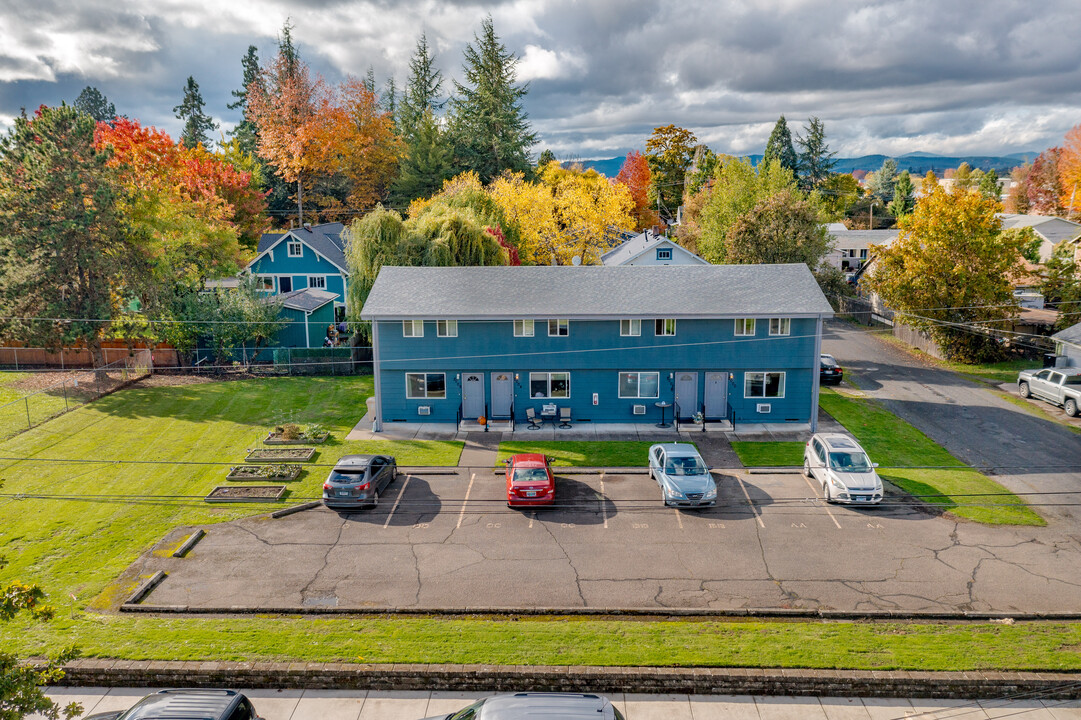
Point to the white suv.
(843, 469)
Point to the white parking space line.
(461, 513)
(397, 500)
(815, 491)
(604, 507)
(751, 504)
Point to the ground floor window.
(763, 385)
(639, 385)
(549, 385)
(420, 386)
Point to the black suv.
(187, 704)
(524, 705)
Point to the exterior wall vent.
(763, 408)
(424, 410)
(639, 410)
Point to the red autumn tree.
(635, 176)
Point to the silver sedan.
(682, 474)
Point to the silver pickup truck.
(1059, 386)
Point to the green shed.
(309, 312)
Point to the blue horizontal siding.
(299, 268)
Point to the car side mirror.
(507, 462)
(549, 459)
(874, 464)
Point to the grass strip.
(583, 453)
(768, 454)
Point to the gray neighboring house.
(1068, 345)
(649, 249)
(1051, 230)
(852, 248)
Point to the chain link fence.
(71, 390)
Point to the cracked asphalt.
(611, 544)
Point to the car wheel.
(806, 469)
(1070, 406)
(393, 473)
(1023, 391)
(826, 493)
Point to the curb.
(295, 509)
(194, 538)
(495, 678)
(143, 590)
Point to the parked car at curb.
(357, 480)
(1058, 386)
(188, 704)
(682, 474)
(530, 705)
(830, 371)
(529, 480)
(842, 468)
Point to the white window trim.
(413, 325)
(558, 321)
(665, 321)
(264, 279)
(764, 373)
(639, 396)
(549, 380)
(532, 327)
(289, 248)
(630, 327)
(425, 396)
(741, 327)
(448, 325)
(782, 323)
(322, 278)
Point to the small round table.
(663, 406)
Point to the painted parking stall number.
(716, 526)
(420, 526)
(640, 526)
(875, 526)
(494, 525)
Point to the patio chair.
(531, 416)
(564, 417)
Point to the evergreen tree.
(91, 102)
(197, 124)
(816, 159)
(904, 199)
(780, 147)
(427, 162)
(421, 90)
(989, 184)
(245, 132)
(389, 100)
(882, 182)
(490, 130)
(369, 80)
(546, 157)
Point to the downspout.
(816, 371)
(307, 337)
(377, 425)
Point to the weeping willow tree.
(443, 234)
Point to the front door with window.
(716, 398)
(502, 394)
(472, 395)
(687, 394)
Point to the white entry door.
(716, 398)
(472, 395)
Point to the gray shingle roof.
(307, 300)
(325, 239)
(1071, 335)
(676, 291)
(640, 243)
(1053, 229)
(863, 238)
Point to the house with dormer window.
(312, 256)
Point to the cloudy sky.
(941, 76)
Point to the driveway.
(1026, 453)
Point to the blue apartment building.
(726, 342)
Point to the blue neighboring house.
(733, 342)
(312, 256)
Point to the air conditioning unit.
(639, 409)
(763, 407)
(424, 410)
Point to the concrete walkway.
(380, 705)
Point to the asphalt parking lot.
(449, 542)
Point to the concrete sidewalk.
(381, 705)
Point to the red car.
(529, 481)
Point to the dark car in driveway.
(357, 480)
(540, 705)
(186, 705)
(529, 480)
(830, 371)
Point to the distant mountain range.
(917, 163)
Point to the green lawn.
(583, 453)
(13, 415)
(769, 454)
(898, 447)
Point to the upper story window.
(295, 249)
(558, 328)
(412, 328)
(664, 326)
(630, 328)
(664, 253)
(446, 328)
(523, 328)
(780, 326)
(744, 326)
(317, 281)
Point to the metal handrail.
(675, 414)
(703, 416)
(487, 418)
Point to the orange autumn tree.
(1069, 172)
(635, 176)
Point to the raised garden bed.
(276, 439)
(246, 493)
(280, 455)
(266, 473)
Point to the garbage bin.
(1049, 360)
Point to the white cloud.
(537, 63)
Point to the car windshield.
(849, 462)
(530, 475)
(684, 466)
